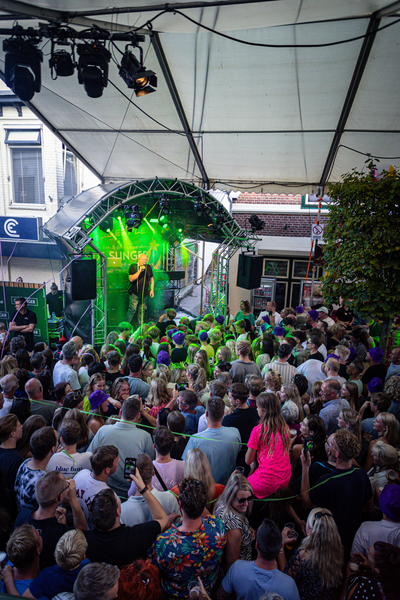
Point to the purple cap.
(299, 310)
(163, 358)
(219, 319)
(332, 356)
(389, 502)
(203, 336)
(178, 337)
(279, 330)
(313, 314)
(376, 354)
(171, 332)
(96, 398)
(352, 355)
(265, 327)
(266, 319)
(375, 385)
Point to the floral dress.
(307, 579)
(184, 556)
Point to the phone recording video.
(130, 467)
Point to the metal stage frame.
(70, 229)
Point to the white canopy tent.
(225, 113)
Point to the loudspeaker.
(169, 298)
(249, 271)
(83, 279)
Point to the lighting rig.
(23, 59)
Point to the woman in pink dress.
(270, 441)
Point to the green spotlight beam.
(147, 223)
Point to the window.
(26, 166)
(69, 173)
(276, 268)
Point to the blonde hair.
(292, 393)
(199, 378)
(70, 549)
(387, 456)
(273, 380)
(163, 370)
(353, 421)
(95, 378)
(389, 422)
(22, 547)
(231, 344)
(236, 483)
(158, 393)
(198, 466)
(323, 547)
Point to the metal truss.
(228, 233)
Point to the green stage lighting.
(107, 224)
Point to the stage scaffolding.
(71, 228)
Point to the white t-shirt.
(69, 464)
(171, 473)
(66, 373)
(135, 509)
(6, 407)
(86, 489)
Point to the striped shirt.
(284, 368)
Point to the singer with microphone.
(141, 279)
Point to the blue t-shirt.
(250, 582)
(53, 580)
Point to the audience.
(172, 520)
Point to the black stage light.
(93, 68)
(134, 219)
(62, 63)
(256, 223)
(107, 224)
(22, 67)
(164, 205)
(136, 76)
(199, 207)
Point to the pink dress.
(273, 472)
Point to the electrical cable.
(260, 45)
(144, 112)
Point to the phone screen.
(130, 467)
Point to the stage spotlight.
(134, 219)
(164, 205)
(22, 67)
(256, 223)
(93, 68)
(107, 224)
(135, 75)
(199, 207)
(62, 63)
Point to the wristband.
(144, 490)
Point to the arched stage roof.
(84, 213)
(224, 113)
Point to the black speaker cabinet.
(83, 279)
(249, 271)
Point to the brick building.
(285, 244)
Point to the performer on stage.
(140, 276)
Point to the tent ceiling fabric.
(255, 114)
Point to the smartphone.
(130, 467)
(308, 446)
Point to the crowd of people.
(217, 457)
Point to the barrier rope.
(197, 437)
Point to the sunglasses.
(243, 501)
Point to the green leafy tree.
(362, 244)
